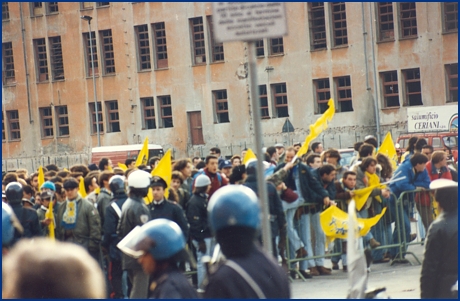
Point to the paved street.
(400, 280)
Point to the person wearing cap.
(197, 217)
(135, 213)
(281, 153)
(162, 208)
(46, 197)
(248, 271)
(277, 218)
(440, 264)
(159, 247)
(110, 238)
(225, 167)
(48, 186)
(27, 217)
(77, 220)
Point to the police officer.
(159, 246)
(135, 213)
(10, 223)
(110, 237)
(28, 217)
(162, 208)
(248, 272)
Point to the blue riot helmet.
(9, 222)
(162, 238)
(234, 205)
(13, 192)
(117, 184)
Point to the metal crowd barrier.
(382, 231)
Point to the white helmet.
(202, 181)
(139, 179)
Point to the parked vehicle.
(346, 155)
(446, 141)
(119, 153)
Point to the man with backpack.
(210, 170)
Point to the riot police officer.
(10, 224)
(135, 213)
(248, 272)
(159, 246)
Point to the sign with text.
(248, 21)
(432, 119)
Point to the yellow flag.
(248, 156)
(122, 166)
(388, 148)
(41, 177)
(149, 198)
(361, 195)
(49, 214)
(319, 126)
(110, 168)
(143, 155)
(82, 189)
(164, 170)
(65, 169)
(334, 223)
(97, 190)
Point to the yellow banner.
(82, 189)
(49, 215)
(164, 171)
(41, 177)
(248, 156)
(122, 166)
(334, 223)
(319, 126)
(388, 148)
(361, 195)
(143, 155)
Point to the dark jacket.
(277, 217)
(342, 196)
(112, 217)
(289, 179)
(226, 283)
(440, 265)
(29, 221)
(197, 216)
(311, 186)
(171, 284)
(103, 200)
(171, 211)
(133, 213)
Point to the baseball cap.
(279, 145)
(225, 164)
(46, 195)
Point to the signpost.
(251, 21)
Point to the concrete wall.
(190, 86)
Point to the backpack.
(201, 172)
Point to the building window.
(407, 19)
(413, 95)
(390, 89)
(88, 53)
(113, 117)
(41, 59)
(199, 51)
(102, 4)
(450, 21)
(93, 118)
(86, 5)
(14, 132)
(161, 49)
(166, 111)
(260, 48)
(217, 49)
(8, 63)
(221, 106)
(339, 24)
(52, 8)
(452, 79)
(46, 117)
(280, 100)
(143, 47)
(323, 94)
(57, 64)
(344, 98)
(5, 11)
(317, 25)
(62, 118)
(107, 51)
(264, 113)
(276, 46)
(36, 9)
(148, 111)
(386, 23)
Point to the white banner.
(432, 119)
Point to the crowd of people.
(299, 189)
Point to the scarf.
(373, 180)
(69, 219)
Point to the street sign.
(288, 127)
(248, 21)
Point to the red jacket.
(443, 173)
(217, 181)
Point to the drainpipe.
(376, 101)
(368, 88)
(25, 63)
